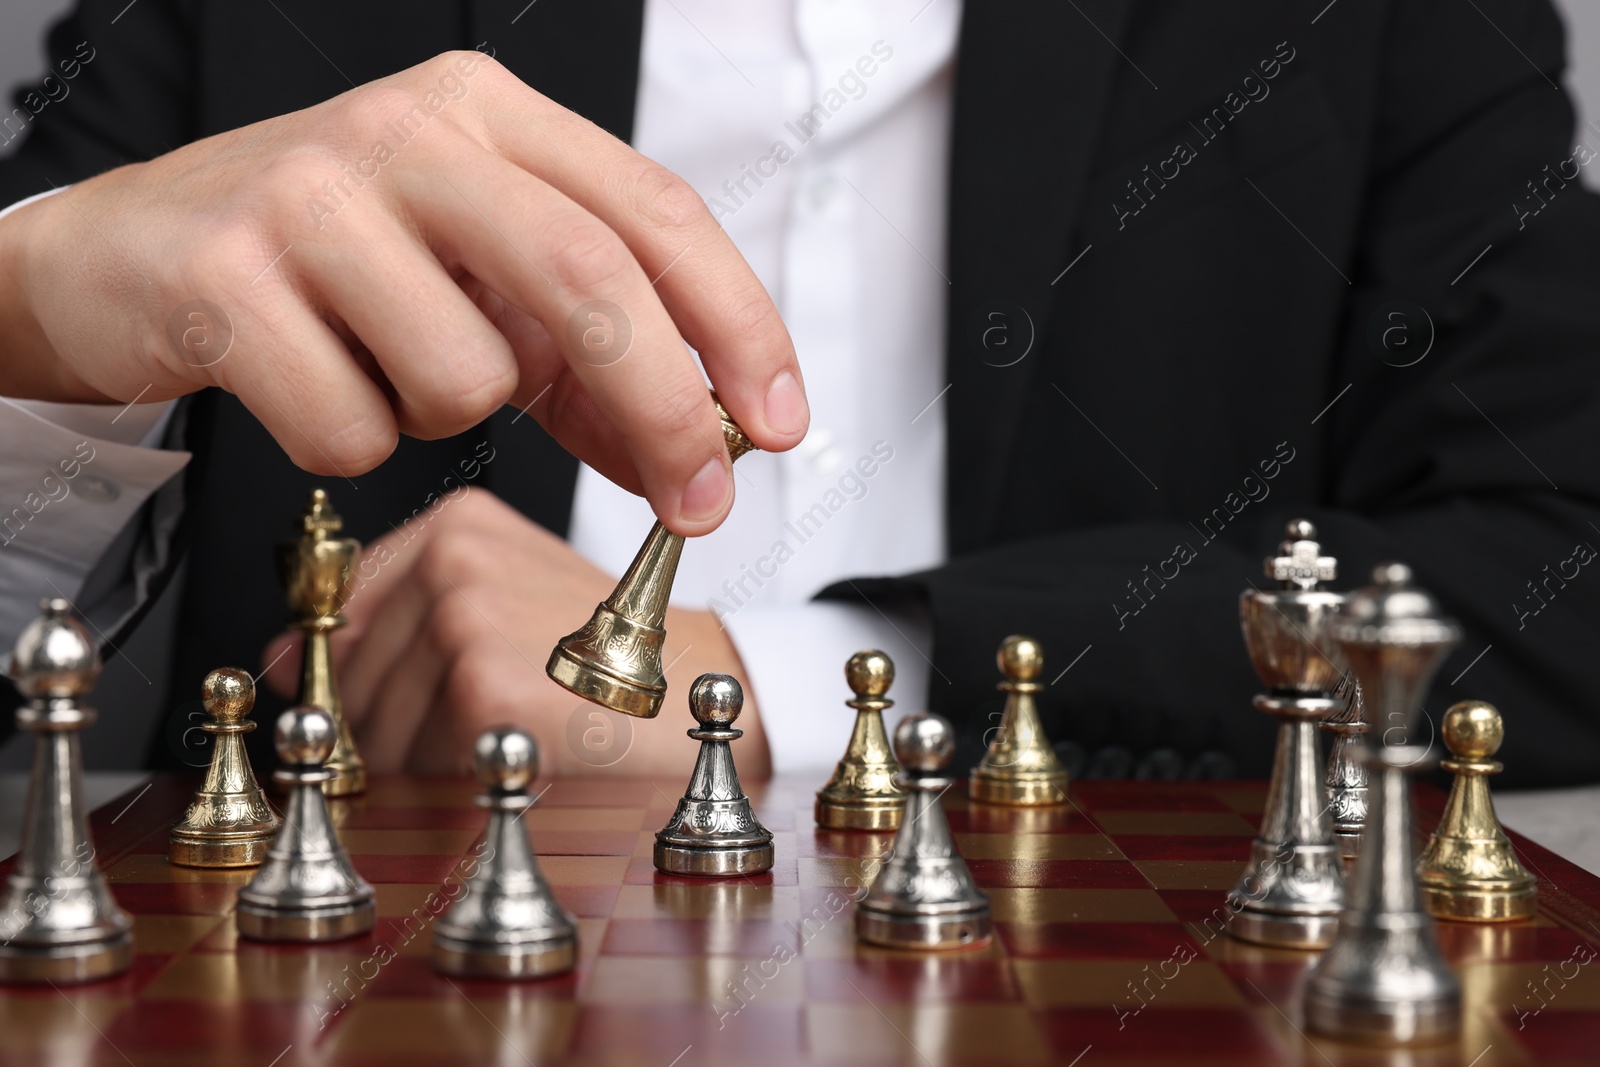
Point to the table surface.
(1090, 900)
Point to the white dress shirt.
(818, 133)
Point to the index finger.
(716, 301)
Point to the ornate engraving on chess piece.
(862, 795)
(714, 830)
(228, 823)
(307, 889)
(1347, 777)
(1469, 870)
(923, 896)
(615, 659)
(1291, 892)
(58, 921)
(508, 923)
(315, 570)
(1383, 979)
(1020, 767)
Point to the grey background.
(130, 686)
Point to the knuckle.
(374, 107)
(666, 200)
(454, 625)
(450, 411)
(588, 256)
(751, 317)
(448, 563)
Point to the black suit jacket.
(1189, 246)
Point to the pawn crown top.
(229, 694)
(304, 735)
(54, 655)
(1473, 729)
(924, 743)
(506, 759)
(869, 673)
(1300, 561)
(1020, 658)
(715, 700)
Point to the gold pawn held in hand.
(1469, 870)
(615, 659)
(228, 823)
(1020, 767)
(315, 570)
(862, 795)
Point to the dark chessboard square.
(164, 1024)
(699, 937)
(1234, 848)
(998, 819)
(755, 1029)
(1227, 1035)
(417, 870)
(1531, 941)
(1058, 874)
(1555, 1036)
(1095, 940)
(898, 978)
(384, 817)
(1139, 796)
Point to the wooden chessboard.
(1091, 902)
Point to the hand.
(406, 258)
(451, 636)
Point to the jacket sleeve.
(119, 90)
(1464, 446)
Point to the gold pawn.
(862, 795)
(615, 659)
(315, 570)
(1469, 870)
(1020, 768)
(228, 823)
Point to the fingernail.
(787, 410)
(707, 492)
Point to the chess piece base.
(1480, 905)
(714, 862)
(864, 815)
(88, 961)
(244, 850)
(307, 924)
(1279, 930)
(535, 959)
(1018, 792)
(599, 687)
(1367, 1021)
(953, 930)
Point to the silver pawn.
(923, 896)
(307, 889)
(1383, 979)
(714, 830)
(508, 923)
(58, 921)
(1292, 890)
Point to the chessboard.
(1106, 948)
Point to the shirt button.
(822, 192)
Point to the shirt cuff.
(802, 707)
(28, 200)
(65, 495)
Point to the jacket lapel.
(1031, 85)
